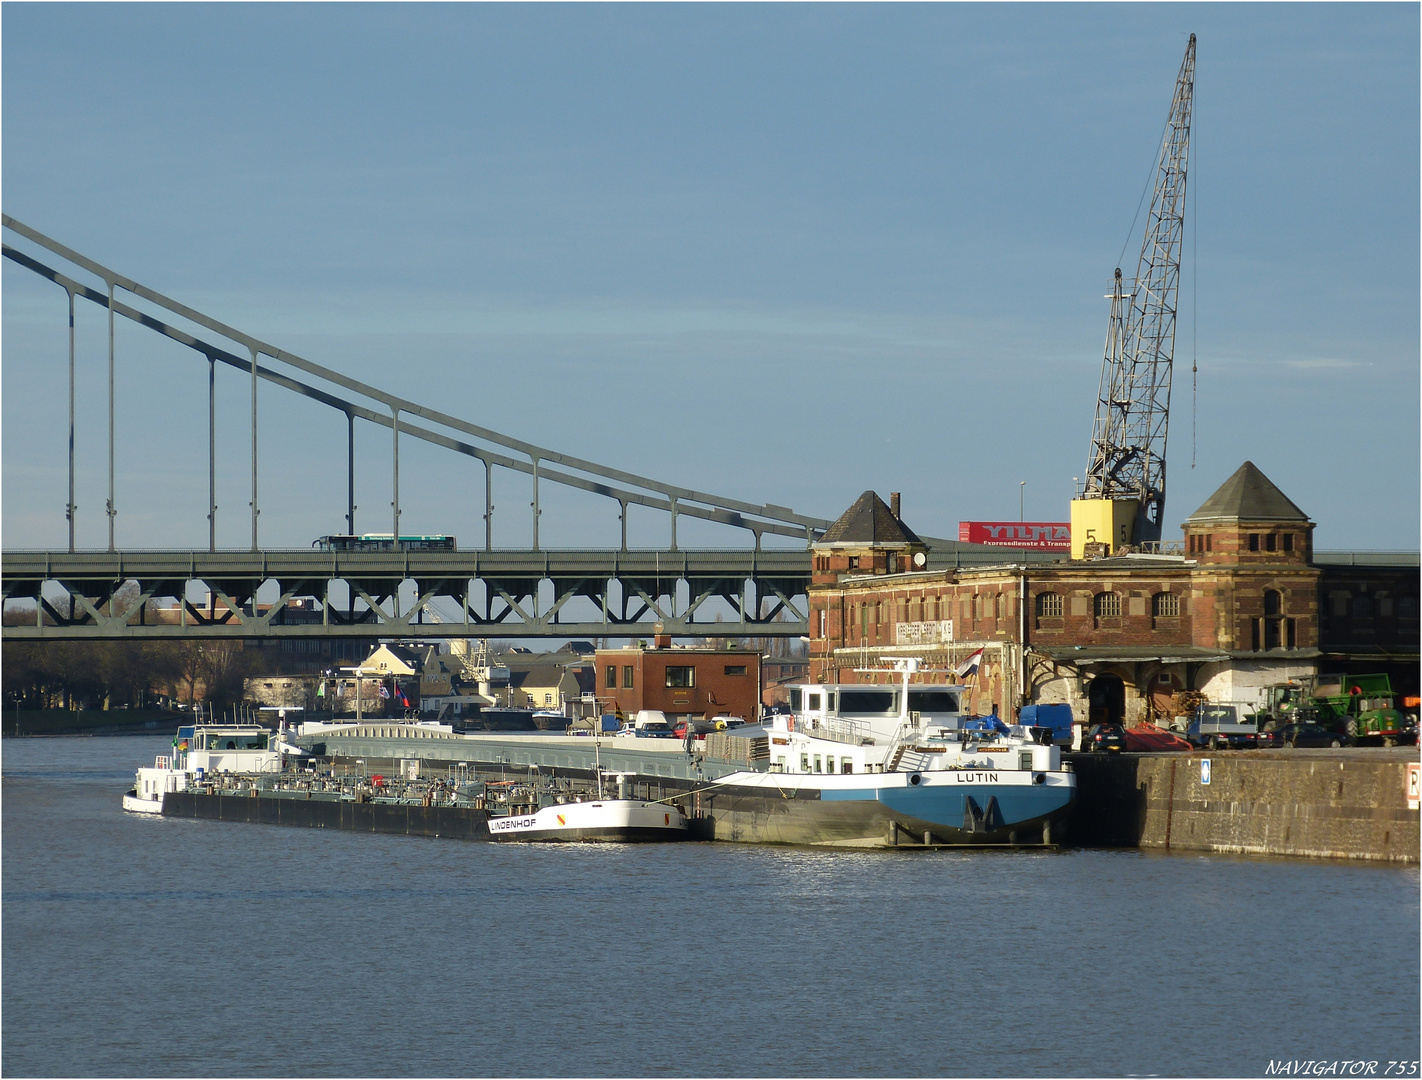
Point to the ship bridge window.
(812, 701)
(933, 701)
(795, 699)
(879, 702)
(235, 742)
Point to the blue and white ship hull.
(949, 807)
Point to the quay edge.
(1345, 804)
(1335, 804)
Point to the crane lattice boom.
(1127, 458)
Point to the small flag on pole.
(970, 665)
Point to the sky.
(779, 253)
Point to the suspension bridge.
(402, 590)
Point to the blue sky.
(781, 253)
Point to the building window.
(1271, 542)
(1273, 602)
(1288, 541)
(854, 562)
(1049, 605)
(735, 669)
(627, 676)
(1001, 605)
(1165, 605)
(1209, 542)
(1291, 626)
(611, 677)
(1407, 607)
(1362, 606)
(681, 677)
(1253, 541)
(1108, 605)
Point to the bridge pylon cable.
(675, 499)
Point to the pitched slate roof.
(1248, 495)
(869, 521)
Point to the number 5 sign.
(1414, 785)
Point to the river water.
(136, 946)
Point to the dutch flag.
(970, 665)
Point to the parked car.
(1222, 727)
(1269, 737)
(1306, 734)
(1104, 739)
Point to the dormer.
(1249, 520)
(868, 538)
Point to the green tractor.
(1361, 706)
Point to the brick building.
(1243, 605)
(683, 682)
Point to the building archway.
(1106, 697)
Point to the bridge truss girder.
(104, 595)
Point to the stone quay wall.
(1346, 804)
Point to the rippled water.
(134, 946)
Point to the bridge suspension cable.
(388, 410)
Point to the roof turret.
(1248, 495)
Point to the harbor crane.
(1123, 499)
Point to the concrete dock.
(1339, 803)
(1327, 803)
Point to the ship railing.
(836, 729)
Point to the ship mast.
(1127, 458)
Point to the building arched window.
(1273, 602)
(1108, 605)
(1049, 605)
(1165, 605)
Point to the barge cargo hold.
(271, 808)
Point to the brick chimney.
(894, 504)
(660, 638)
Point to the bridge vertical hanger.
(112, 509)
(69, 509)
(211, 452)
(488, 504)
(533, 458)
(350, 474)
(395, 479)
(254, 448)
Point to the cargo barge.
(238, 773)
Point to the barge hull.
(449, 822)
(749, 815)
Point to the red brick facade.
(1242, 607)
(681, 682)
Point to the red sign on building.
(1031, 535)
